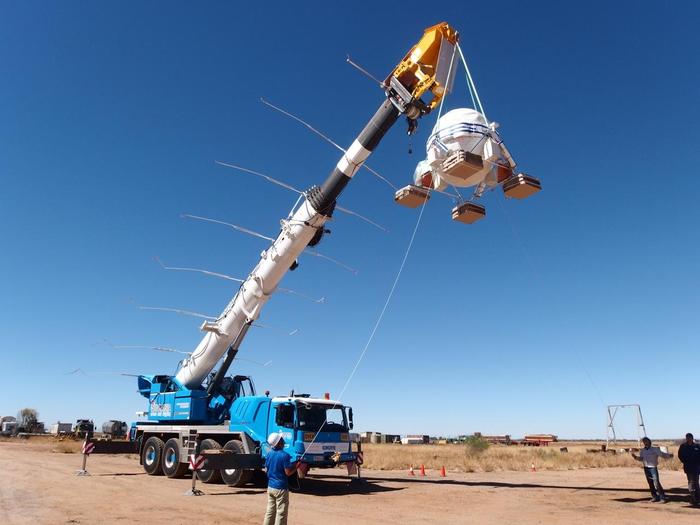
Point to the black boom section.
(379, 124)
(324, 198)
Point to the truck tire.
(151, 456)
(209, 476)
(171, 459)
(236, 477)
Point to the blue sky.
(530, 321)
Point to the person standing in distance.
(689, 454)
(278, 465)
(649, 456)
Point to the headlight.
(309, 436)
(344, 437)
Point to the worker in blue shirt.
(278, 465)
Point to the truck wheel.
(209, 476)
(171, 460)
(235, 477)
(151, 456)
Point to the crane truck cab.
(316, 432)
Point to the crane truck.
(200, 407)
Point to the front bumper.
(326, 460)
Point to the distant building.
(416, 439)
(378, 437)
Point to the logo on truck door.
(161, 409)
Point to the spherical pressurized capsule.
(463, 150)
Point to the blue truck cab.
(316, 431)
(233, 419)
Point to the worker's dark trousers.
(693, 486)
(657, 491)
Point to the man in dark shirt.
(689, 454)
(278, 465)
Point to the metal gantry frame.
(612, 412)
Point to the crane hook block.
(426, 67)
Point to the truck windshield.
(321, 418)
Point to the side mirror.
(350, 417)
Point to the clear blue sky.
(111, 118)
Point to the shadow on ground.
(340, 487)
(121, 474)
(316, 487)
(501, 484)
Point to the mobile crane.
(224, 412)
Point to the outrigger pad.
(462, 164)
(521, 186)
(412, 196)
(468, 212)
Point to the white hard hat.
(274, 439)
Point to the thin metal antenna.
(155, 348)
(292, 188)
(265, 364)
(234, 226)
(205, 272)
(235, 279)
(178, 311)
(324, 137)
(266, 177)
(289, 291)
(261, 325)
(174, 351)
(309, 251)
(364, 71)
(355, 214)
(83, 372)
(256, 234)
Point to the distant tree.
(475, 445)
(27, 418)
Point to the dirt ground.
(40, 486)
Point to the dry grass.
(67, 446)
(52, 443)
(497, 458)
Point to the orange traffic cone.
(532, 468)
(442, 471)
(410, 471)
(422, 470)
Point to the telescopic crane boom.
(423, 71)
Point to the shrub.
(476, 445)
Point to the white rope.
(381, 315)
(471, 81)
(386, 303)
